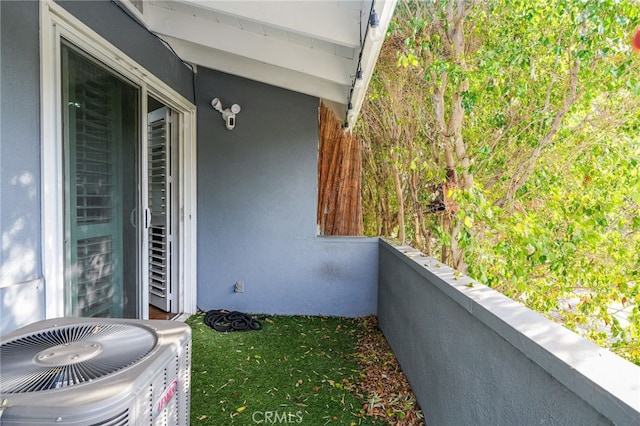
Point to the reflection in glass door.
(101, 157)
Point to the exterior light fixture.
(359, 78)
(228, 114)
(350, 111)
(374, 26)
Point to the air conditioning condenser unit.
(96, 371)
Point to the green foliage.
(571, 246)
(550, 139)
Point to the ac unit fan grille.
(70, 355)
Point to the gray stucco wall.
(475, 357)
(21, 287)
(21, 280)
(257, 195)
(117, 27)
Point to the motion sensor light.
(228, 114)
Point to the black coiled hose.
(224, 321)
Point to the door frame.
(57, 23)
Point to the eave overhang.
(314, 47)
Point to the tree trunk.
(399, 194)
(339, 178)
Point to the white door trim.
(56, 22)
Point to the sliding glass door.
(100, 134)
(119, 211)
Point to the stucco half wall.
(257, 197)
(475, 357)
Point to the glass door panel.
(101, 157)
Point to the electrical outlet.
(238, 287)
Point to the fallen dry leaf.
(383, 384)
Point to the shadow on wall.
(21, 293)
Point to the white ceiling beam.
(279, 53)
(333, 21)
(259, 71)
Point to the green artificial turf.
(296, 370)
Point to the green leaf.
(468, 222)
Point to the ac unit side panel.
(166, 399)
(119, 414)
(184, 396)
(153, 391)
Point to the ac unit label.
(164, 399)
